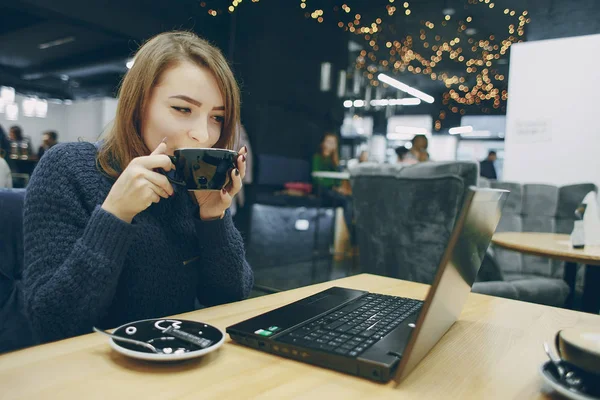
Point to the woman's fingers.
(153, 194)
(225, 199)
(241, 164)
(161, 148)
(159, 180)
(236, 183)
(155, 161)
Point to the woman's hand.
(139, 186)
(212, 203)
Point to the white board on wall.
(553, 133)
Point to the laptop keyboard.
(355, 327)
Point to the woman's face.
(186, 107)
(329, 144)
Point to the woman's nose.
(199, 134)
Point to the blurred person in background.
(49, 139)
(333, 191)
(401, 152)
(15, 134)
(5, 174)
(423, 156)
(4, 143)
(20, 144)
(416, 153)
(487, 169)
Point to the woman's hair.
(334, 156)
(123, 140)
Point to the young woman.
(108, 240)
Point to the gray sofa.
(404, 216)
(537, 208)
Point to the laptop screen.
(456, 273)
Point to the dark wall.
(277, 56)
(551, 19)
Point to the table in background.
(493, 351)
(331, 175)
(558, 246)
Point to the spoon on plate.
(127, 340)
(568, 377)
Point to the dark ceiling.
(78, 49)
(99, 35)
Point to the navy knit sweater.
(85, 267)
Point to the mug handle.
(557, 343)
(175, 181)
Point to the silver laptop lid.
(456, 273)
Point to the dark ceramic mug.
(202, 169)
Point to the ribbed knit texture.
(84, 267)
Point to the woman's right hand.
(139, 186)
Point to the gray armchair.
(404, 216)
(538, 208)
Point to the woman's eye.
(183, 110)
(218, 118)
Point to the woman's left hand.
(212, 203)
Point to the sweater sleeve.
(73, 254)
(226, 276)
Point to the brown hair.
(123, 141)
(335, 157)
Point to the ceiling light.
(12, 112)
(461, 129)
(7, 94)
(130, 63)
(348, 103)
(471, 31)
(41, 108)
(358, 103)
(28, 106)
(409, 101)
(57, 42)
(405, 88)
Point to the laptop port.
(262, 345)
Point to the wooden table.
(493, 351)
(558, 246)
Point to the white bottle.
(578, 235)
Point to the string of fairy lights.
(430, 52)
(427, 52)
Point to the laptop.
(377, 336)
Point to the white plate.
(553, 382)
(151, 331)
